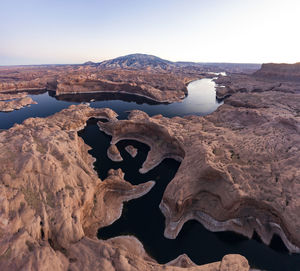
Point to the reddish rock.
(156, 85)
(15, 104)
(283, 72)
(52, 201)
(239, 165)
(131, 150)
(114, 154)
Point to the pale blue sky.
(73, 31)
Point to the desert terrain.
(239, 166)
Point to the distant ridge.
(89, 63)
(282, 71)
(137, 61)
(150, 62)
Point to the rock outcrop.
(239, 165)
(144, 61)
(284, 72)
(114, 154)
(140, 127)
(11, 102)
(6, 96)
(131, 150)
(137, 61)
(52, 202)
(156, 85)
(148, 76)
(271, 77)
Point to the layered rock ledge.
(114, 154)
(285, 72)
(271, 77)
(52, 202)
(155, 85)
(6, 96)
(140, 127)
(11, 102)
(239, 166)
(131, 150)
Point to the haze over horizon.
(69, 32)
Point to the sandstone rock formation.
(138, 61)
(162, 144)
(239, 168)
(156, 85)
(142, 61)
(13, 102)
(156, 79)
(127, 253)
(271, 77)
(131, 150)
(114, 154)
(159, 87)
(285, 72)
(52, 202)
(6, 96)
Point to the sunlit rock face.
(138, 61)
(52, 202)
(131, 150)
(11, 102)
(239, 165)
(280, 71)
(148, 76)
(114, 154)
(152, 81)
(283, 78)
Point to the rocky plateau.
(52, 202)
(11, 102)
(239, 166)
(131, 150)
(148, 76)
(157, 85)
(284, 78)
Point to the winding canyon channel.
(142, 217)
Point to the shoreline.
(161, 101)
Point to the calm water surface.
(201, 100)
(142, 217)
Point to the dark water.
(142, 217)
(200, 101)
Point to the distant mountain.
(91, 63)
(151, 62)
(137, 61)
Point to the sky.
(76, 31)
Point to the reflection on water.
(201, 100)
(142, 217)
(107, 96)
(201, 245)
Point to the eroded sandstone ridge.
(271, 77)
(280, 71)
(52, 202)
(6, 96)
(239, 166)
(156, 85)
(114, 154)
(11, 102)
(131, 150)
(148, 76)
